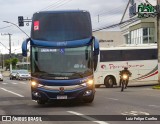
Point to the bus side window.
(36, 56)
(95, 61)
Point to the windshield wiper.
(78, 73)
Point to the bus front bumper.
(49, 95)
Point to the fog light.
(87, 93)
(36, 94)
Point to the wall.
(109, 38)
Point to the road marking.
(14, 83)
(135, 113)
(156, 106)
(4, 83)
(34, 100)
(12, 92)
(88, 118)
(22, 82)
(113, 99)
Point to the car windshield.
(64, 63)
(14, 71)
(23, 72)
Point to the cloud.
(110, 11)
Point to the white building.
(109, 38)
(138, 31)
(141, 30)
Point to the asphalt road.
(15, 99)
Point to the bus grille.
(72, 87)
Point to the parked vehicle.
(23, 74)
(1, 77)
(13, 74)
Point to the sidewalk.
(6, 73)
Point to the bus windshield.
(58, 26)
(63, 63)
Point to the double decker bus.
(141, 60)
(59, 41)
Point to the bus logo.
(61, 88)
(36, 25)
(103, 66)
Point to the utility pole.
(98, 18)
(158, 37)
(10, 66)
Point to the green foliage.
(7, 62)
(156, 87)
(13, 61)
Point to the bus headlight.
(33, 84)
(90, 82)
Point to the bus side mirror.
(96, 47)
(95, 53)
(24, 47)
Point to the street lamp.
(17, 27)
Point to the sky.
(109, 11)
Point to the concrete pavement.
(15, 99)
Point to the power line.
(115, 25)
(111, 12)
(51, 5)
(63, 4)
(6, 27)
(4, 46)
(56, 5)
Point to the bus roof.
(144, 46)
(61, 11)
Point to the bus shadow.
(64, 104)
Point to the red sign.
(36, 25)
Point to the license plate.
(62, 97)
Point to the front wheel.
(122, 86)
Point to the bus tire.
(41, 102)
(97, 85)
(109, 81)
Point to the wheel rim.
(110, 82)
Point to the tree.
(13, 61)
(7, 63)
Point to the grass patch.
(156, 87)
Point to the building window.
(142, 36)
(145, 31)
